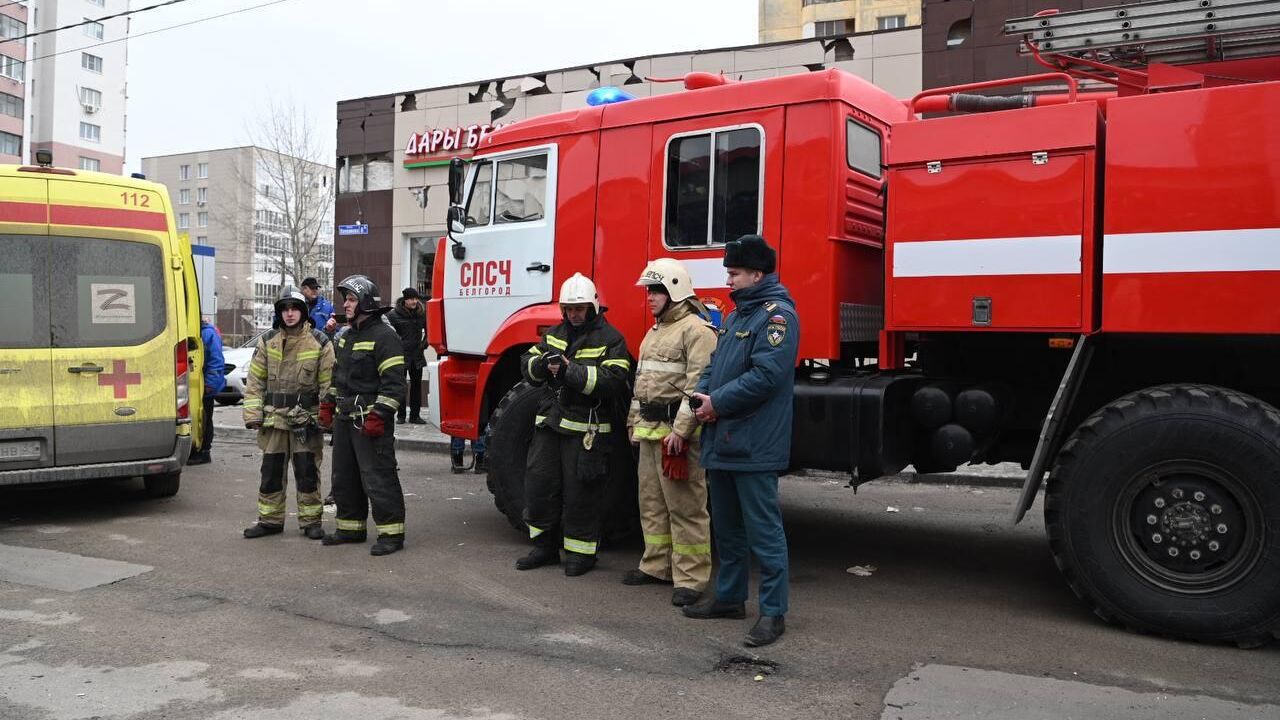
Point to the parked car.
(238, 357)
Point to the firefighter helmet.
(365, 291)
(290, 295)
(670, 274)
(579, 290)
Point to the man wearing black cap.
(746, 395)
(410, 322)
(319, 309)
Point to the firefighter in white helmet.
(584, 365)
(673, 486)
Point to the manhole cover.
(746, 665)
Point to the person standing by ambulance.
(215, 379)
(673, 486)
(745, 402)
(368, 390)
(584, 364)
(291, 370)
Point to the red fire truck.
(1086, 283)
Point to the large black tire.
(511, 431)
(227, 400)
(1163, 513)
(163, 485)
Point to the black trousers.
(564, 489)
(206, 433)
(364, 476)
(413, 375)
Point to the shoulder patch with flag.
(776, 332)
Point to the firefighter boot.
(258, 530)
(341, 538)
(387, 544)
(313, 532)
(540, 555)
(681, 597)
(576, 564)
(640, 577)
(715, 609)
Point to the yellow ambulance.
(100, 353)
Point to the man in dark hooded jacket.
(410, 322)
(745, 398)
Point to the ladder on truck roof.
(1173, 32)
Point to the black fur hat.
(751, 252)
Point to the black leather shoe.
(715, 609)
(387, 545)
(538, 557)
(340, 539)
(416, 420)
(768, 629)
(313, 532)
(680, 597)
(399, 419)
(481, 465)
(576, 564)
(259, 530)
(455, 463)
(199, 459)
(640, 577)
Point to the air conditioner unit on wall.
(91, 109)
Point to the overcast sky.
(199, 87)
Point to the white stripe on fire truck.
(1253, 250)
(1046, 255)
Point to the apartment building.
(234, 200)
(13, 83)
(75, 83)
(797, 19)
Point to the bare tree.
(285, 193)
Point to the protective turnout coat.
(675, 351)
(596, 377)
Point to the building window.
(11, 68)
(891, 22)
(862, 149)
(90, 62)
(714, 184)
(10, 105)
(358, 173)
(88, 163)
(10, 144)
(202, 239)
(266, 190)
(202, 195)
(90, 98)
(90, 132)
(184, 172)
(92, 29)
(184, 221)
(827, 28)
(959, 32)
(11, 28)
(184, 196)
(202, 170)
(202, 219)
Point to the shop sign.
(437, 146)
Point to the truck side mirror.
(457, 178)
(457, 219)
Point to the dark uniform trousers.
(564, 486)
(364, 475)
(748, 521)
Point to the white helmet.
(578, 290)
(670, 274)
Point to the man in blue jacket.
(214, 380)
(746, 395)
(319, 307)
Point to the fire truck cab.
(1079, 283)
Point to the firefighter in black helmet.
(368, 390)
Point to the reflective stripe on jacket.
(370, 365)
(674, 351)
(595, 380)
(291, 361)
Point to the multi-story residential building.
(796, 19)
(393, 150)
(76, 83)
(236, 200)
(13, 84)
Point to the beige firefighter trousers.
(674, 520)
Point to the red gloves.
(676, 467)
(373, 426)
(326, 415)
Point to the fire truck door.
(721, 178)
(510, 243)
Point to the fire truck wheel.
(510, 432)
(163, 485)
(1163, 513)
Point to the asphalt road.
(962, 616)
